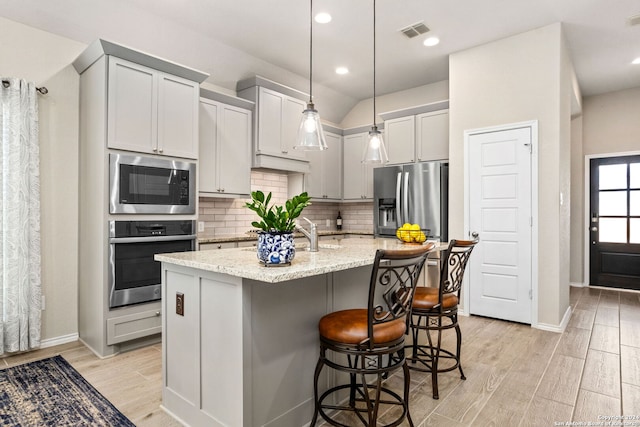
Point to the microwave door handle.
(405, 198)
(398, 208)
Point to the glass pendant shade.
(310, 134)
(374, 150)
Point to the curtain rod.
(43, 90)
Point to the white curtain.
(20, 291)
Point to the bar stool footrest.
(362, 409)
(425, 359)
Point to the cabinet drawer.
(248, 243)
(210, 246)
(132, 326)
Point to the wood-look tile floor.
(516, 375)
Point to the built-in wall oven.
(151, 185)
(134, 276)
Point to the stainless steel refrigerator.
(416, 193)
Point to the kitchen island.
(240, 340)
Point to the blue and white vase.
(276, 247)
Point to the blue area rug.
(50, 392)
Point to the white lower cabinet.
(212, 246)
(248, 243)
(134, 325)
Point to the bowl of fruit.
(412, 233)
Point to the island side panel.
(283, 334)
(202, 349)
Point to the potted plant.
(275, 240)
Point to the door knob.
(475, 235)
(594, 228)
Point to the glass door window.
(615, 222)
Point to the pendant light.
(374, 151)
(310, 134)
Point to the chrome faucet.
(312, 234)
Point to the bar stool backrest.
(393, 278)
(454, 263)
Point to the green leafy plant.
(277, 218)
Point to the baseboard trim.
(578, 285)
(556, 328)
(64, 339)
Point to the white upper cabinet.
(177, 116)
(324, 181)
(278, 111)
(417, 134)
(357, 176)
(278, 120)
(432, 136)
(400, 139)
(150, 111)
(291, 117)
(225, 149)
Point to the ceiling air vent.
(634, 20)
(415, 30)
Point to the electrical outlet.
(200, 226)
(328, 223)
(179, 303)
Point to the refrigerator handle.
(405, 198)
(398, 208)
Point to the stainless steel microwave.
(150, 185)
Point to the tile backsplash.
(223, 216)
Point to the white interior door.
(499, 171)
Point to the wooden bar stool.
(370, 341)
(435, 310)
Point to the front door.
(500, 215)
(615, 222)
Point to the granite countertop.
(245, 237)
(242, 262)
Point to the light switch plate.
(200, 226)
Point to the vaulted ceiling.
(235, 39)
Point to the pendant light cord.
(374, 63)
(311, 51)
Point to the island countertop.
(243, 262)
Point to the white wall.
(610, 125)
(611, 122)
(518, 79)
(577, 203)
(362, 113)
(44, 58)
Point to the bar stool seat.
(367, 344)
(351, 327)
(427, 298)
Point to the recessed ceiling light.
(342, 70)
(636, 61)
(431, 41)
(323, 18)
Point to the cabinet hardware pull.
(161, 150)
(157, 313)
(155, 149)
